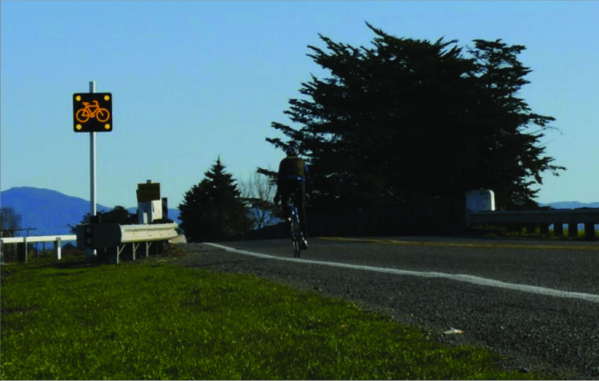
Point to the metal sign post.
(92, 173)
(92, 112)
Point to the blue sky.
(194, 80)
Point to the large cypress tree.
(409, 119)
(510, 158)
(213, 210)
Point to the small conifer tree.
(214, 210)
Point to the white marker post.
(92, 173)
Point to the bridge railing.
(543, 218)
(104, 236)
(57, 239)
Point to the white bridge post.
(58, 244)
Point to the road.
(535, 301)
(565, 266)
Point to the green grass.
(153, 320)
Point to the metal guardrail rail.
(564, 216)
(57, 239)
(34, 239)
(111, 235)
(544, 218)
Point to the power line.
(17, 230)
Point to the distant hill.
(572, 205)
(50, 212)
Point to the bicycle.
(297, 237)
(92, 111)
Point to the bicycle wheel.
(295, 233)
(82, 115)
(103, 115)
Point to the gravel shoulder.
(536, 331)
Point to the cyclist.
(293, 178)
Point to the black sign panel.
(148, 192)
(92, 112)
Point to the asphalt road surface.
(535, 301)
(566, 266)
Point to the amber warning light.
(92, 112)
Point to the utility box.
(148, 212)
(149, 203)
(482, 200)
(98, 235)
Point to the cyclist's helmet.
(291, 151)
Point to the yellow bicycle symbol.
(92, 111)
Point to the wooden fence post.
(573, 229)
(589, 230)
(544, 229)
(558, 229)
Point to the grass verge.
(152, 320)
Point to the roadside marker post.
(92, 112)
(92, 159)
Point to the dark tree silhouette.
(10, 221)
(408, 119)
(118, 215)
(214, 210)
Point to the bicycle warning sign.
(92, 112)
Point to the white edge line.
(457, 277)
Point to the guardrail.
(543, 218)
(57, 239)
(100, 236)
(113, 235)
